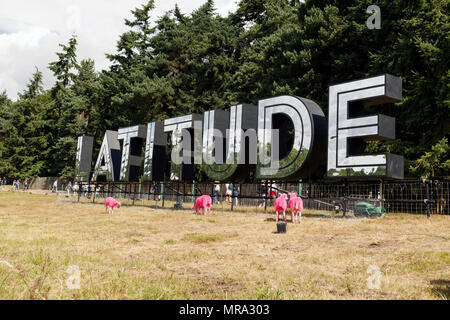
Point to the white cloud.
(30, 32)
(25, 39)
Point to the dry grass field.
(144, 253)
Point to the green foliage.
(39, 131)
(65, 64)
(435, 161)
(34, 88)
(179, 64)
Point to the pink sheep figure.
(110, 203)
(281, 204)
(292, 197)
(203, 203)
(297, 208)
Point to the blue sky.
(30, 32)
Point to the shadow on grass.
(308, 215)
(441, 288)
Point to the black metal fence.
(406, 196)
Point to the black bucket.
(281, 227)
(178, 206)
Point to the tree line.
(178, 64)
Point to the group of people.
(16, 184)
(3, 181)
(231, 193)
(69, 188)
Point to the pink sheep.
(110, 203)
(292, 197)
(296, 209)
(203, 203)
(281, 204)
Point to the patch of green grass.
(125, 286)
(132, 234)
(430, 261)
(38, 258)
(206, 238)
(133, 241)
(48, 241)
(348, 285)
(169, 288)
(266, 293)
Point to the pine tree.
(69, 118)
(64, 66)
(435, 161)
(133, 46)
(6, 125)
(34, 88)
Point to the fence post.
(266, 192)
(95, 191)
(381, 194)
(232, 194)
(162, 193)
(212, 190)
(427, 200)
(140, 188)
(345, 198)
(239, 191)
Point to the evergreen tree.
(66, 63)
(435, 161)
(71, 109)
(34, 88)
(6, 125)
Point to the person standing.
(236, 193)
(69, 188)
(262, 193)
(55, 186)
(76, 188)
(157, 191)
(228, 192)
(216, 193)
